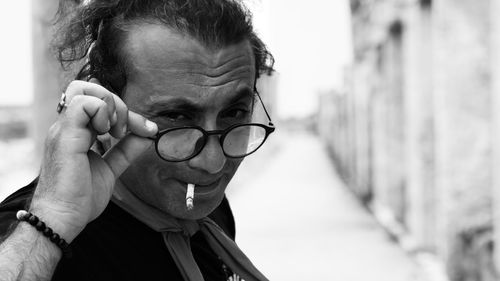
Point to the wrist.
(32, 235)
(57, 220)
(47, 231)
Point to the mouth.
(203, 188)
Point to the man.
(169, 91)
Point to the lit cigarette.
(190, 196)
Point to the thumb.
(121, 155)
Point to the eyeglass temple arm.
(263, 106)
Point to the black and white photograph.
(250, 140)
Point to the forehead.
(163, 63)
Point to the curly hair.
(95, 30)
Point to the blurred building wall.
(267, 87)
(411, 134)
(47, 77)
(495, 109)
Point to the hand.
(75, 183)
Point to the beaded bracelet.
(28, 217)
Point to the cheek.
(146, 161)
(142, 169)
(145, 175)
(231, 166)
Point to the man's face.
(175, 81)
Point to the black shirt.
(116, 246)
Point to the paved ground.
(297, 221)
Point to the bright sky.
(15, 53)
(310, 40)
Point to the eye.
(174, 116)
(237, 113)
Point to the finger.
(120, 156)
(83, 110)
(119, 129)
(92, 88)
(120, 117)
(141, 126)
(109, 98)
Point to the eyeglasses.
(237, 141)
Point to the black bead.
(33, 220)
(55, 238)
(48, 232)
(62, 244)
(40, 226)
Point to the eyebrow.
(241, 94)
(173, 103)
(189, 105)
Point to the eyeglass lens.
(179, 144)
(183, 143)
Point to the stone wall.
(419, 125)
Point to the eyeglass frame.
(270, 128)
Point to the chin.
(201, 209)
(196, 213)
(173, 202)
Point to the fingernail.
(114, 118)
(108, 126)
(151, 126)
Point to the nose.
(211, 159)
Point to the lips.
(203, 188)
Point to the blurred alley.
(297, 221)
